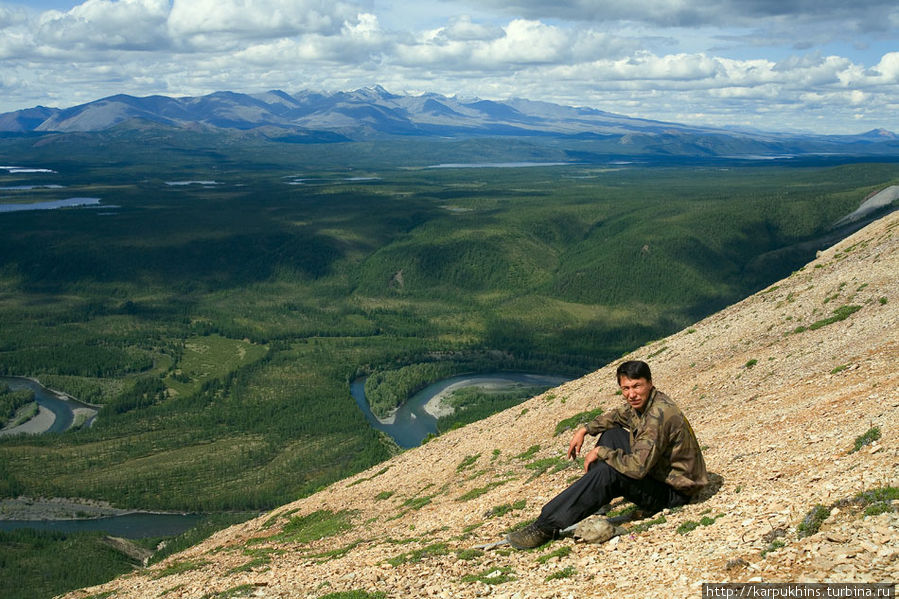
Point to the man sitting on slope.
(647, 453)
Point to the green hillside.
(220, 323)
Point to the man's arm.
(577, 441)
(596, 426)
(645, 449)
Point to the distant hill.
(374, 113)
(792, 392)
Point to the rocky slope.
(778, 388)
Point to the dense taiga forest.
(219, 299)
(223, 294)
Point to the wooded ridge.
(792, 392)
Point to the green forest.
(223, 295)
(35, 564)
(11, 402)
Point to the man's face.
(635, 391)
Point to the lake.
(498, 164)
(50, 204)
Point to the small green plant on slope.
(502, 510)
(560, 552)
(576, 420)
(566, 572)
(691, 525)
(468, 462)
(469, 554)
(644, 526)
(474, 493)
(375, 475)
(870, 503)
(878, 501)
(528, 453)
(541, 466)
(774, 546)
(419, 554)
(813, 521)
(868, 437)
(316, 525)
(416, 503)
(179, 567)
(256, 562)
(327, 556)
(357, 594)
(244, 590)
(491, 576)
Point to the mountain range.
(374, 113)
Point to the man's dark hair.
(633, 369)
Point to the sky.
(822, 66)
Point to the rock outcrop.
(788, 392)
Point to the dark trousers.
(601, 485)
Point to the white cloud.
(257, 18)
(577, 52)
(11, 16)
(888, 68)
(860, 14)
(104, 24)
(519, 44)
(525, 42)
(463, 29)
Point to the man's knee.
(615, 438)
(601, 473)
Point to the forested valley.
(221, 298)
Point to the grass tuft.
(813, 521)
(180, 567)
(868, 437)
(491, 576)
(468, 462)
(576, 420)
(566, 572)
(356, 594)
(314, 526)
(560, 553)
(418, 554)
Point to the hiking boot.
(529, 537)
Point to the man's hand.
(590, 457)
(577, 441)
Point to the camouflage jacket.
(663, 444)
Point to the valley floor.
(779, 387)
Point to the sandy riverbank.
(41, 423)
(56, 508)
(44, 420)
(438, 407)
(388, 420)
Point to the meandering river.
(408, 426)
(129, 526)
(412, 422)
(57, 410)
(57, 413)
